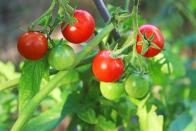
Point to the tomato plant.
(61, 57)
(106, 68)
(32, 45)
(152, 40)
(112, 91)
(81, 30)
(105, 84)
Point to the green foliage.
(45, 121)
(88, 115)
(186, 121)
(150, 121)
(31, 77)
(105, 125)
(7, 71)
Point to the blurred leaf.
(8, 71)
(45, 121)
(181, 122)
(29, 85)
(178, 67)
(3, 127)
(105, 125)
(149, 121)
(193, 4)
(87, 115)
(71, 77)
(71, 105)
(155, 73)
(190, 39)
(191, 127)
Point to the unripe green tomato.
(61, 57)
(111, 91)
(136, 87)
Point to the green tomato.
(111, 91)
(61, 57)
(136, 87)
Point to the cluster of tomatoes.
(34, 45)
(107, 69)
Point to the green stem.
(94, 42)
(69, 9)
(13, 83)
(125, 46)
(35, 101)
(87, 60)
(127, 3)
(186, 13)
(135, 28)
(9, 84)
(51, 8)
(65, 7)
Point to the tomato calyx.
(147, 42)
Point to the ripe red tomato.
(32, 45)
(106, 68)
(82, 30)
(158, 39)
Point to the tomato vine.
(120, 70)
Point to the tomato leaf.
(8, 71)
(154, 72)
(45, 20)
(32, 74)
(87, 115)
(105, 125)
(178, 67)
(71, 77)
(45, 121)
(147, 118)
(180, 123)
(71, 105)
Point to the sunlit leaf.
(32, 74)
(149, 121)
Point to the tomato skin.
(111, 91)
(106, 68)
(82, 30)
(61, 57)
(32, 45)
(136, 87)
(158, 39)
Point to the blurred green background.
(176, 19)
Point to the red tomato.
(106, 68)
(82, 30)
(158, 39)
(32, 45)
